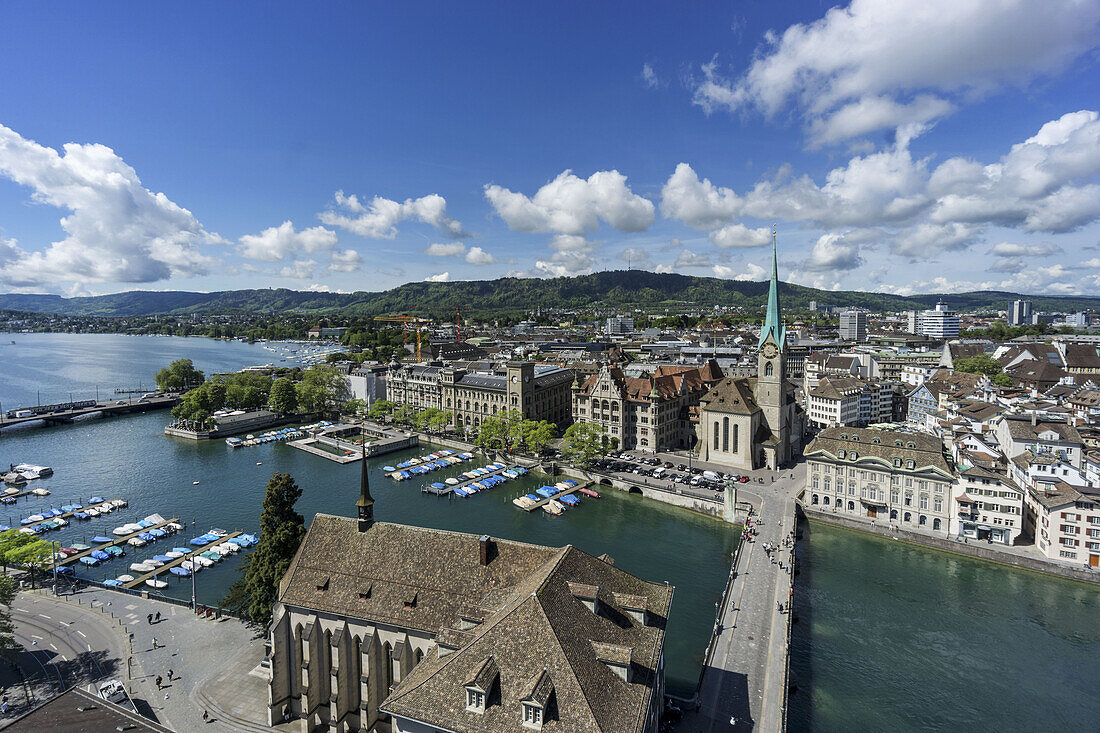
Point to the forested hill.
(613, 289)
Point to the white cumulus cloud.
(116, 230)
(478, 256)
(440, 277)
(572, 205)
(881, 63)
(276, 243)
(446, 249)
(379, 218)
(698, 203)
(740, 236)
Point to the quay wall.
(982, 552)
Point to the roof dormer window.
(480, 685)
(475, 700)
(532, 716)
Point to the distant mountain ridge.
(610, 289)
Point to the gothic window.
(735, 437)
(768, 369)
(725, 434)
(716, 435)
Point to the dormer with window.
(616, 658)
(634, 606)
(479, 686)
(535, 700)
(586, 594)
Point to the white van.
(710, 476)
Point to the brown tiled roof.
(733, 394)
(76, 711)
(441, 569)
(1082, 356)
(834, 388)
(538, 689)
(1037, 372)
(543, 630)
(1020, 428)
(881, 446)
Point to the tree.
(492, 433)
(8, 647)
(404, 413)
(539, 435)
(322, 389)
(1002, 380)
(583, 441)
(381, 409)
(178, 376)
(281, 532)
(25, 550)
(980, 364)
(355, 406)
(283, 397)
(432, 419)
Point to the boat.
(154, 562)
(82, 515)
(111, 583)
(163, 559)
(234, 442)
(92, 512)
(140, 567)
(136, 542)
(201, 561)
(175, 555)
(389, 469)
(89, 560)
(99, 555)
(14, 479)
(180, 550)
(570, 500)
(589, 492)
(158, 584)
(114, 551)
(450, 481)
(40, 492)
(182, 572)
(552, 507)
(125, 578)
(31, 471)
(188, 565)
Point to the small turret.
(365, 505)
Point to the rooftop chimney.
(484, 545)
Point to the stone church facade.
(755, 422)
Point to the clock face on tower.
(769, 350)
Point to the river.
(889, 636)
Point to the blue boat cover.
(179, 571)
(100, 555)
(100, 538)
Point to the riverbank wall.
(981, 552)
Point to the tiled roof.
(734, 395)
(1020, 428)
(1082, 356)
(881, 446)
(544, 641)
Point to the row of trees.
(984, 364)
(319, 389)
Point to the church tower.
(771, 368)
(365, 505)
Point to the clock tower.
(771, 370)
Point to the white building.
(903, 478)
(853, 325)
(1021, 313)
(939, 323)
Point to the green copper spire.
(773, 324)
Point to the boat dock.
(20, 494)
(66, 515)
(448, 489)
(165, 567)
(120, 541)
(565, 492)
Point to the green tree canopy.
(381, 408)
(180, 375)
(283, 396)
(281, 532)
(584, 441)
(538, 435)
(323, 389)
(980, 364)
(8, 647)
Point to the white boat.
(140, 567)
(203, 561)
(154, 563)
(11, 491)
(36, 517)
(125, 578)
(39, 471)
(61, 522)
(40, 492)
(136, 542)
(118, 503)
(154, 583)
(91, 512)
(188, 565)
(173, 553)
(554, 507)
(173, 527)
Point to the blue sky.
(943, 146)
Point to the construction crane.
(458, 317)
(405, 321)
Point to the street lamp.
(56, 552)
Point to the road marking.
(53, 647)
(45, 616)
(64, 623)
(36, 636)
(64, 658)
(89, 647)
(82, 633)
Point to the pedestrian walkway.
(744, 682)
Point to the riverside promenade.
(744, 679)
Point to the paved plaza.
(96, 634)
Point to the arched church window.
(768, 369)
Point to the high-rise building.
(913, 318)
(619, 325)
(939, 323)
(1021, 313)
(853, 325)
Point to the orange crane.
(405, 321)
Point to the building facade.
(853, 325)
(939, 323)
(650, 413)
(537, 392)
(901, 478)
(1021, 313)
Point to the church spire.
(773, 324)
(366, 501)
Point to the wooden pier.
(450, 488)
(166, 566)
(543, 501)
(120, 541)
(66, 515)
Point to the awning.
(964, 499)
(985, 527)
(874, 502)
